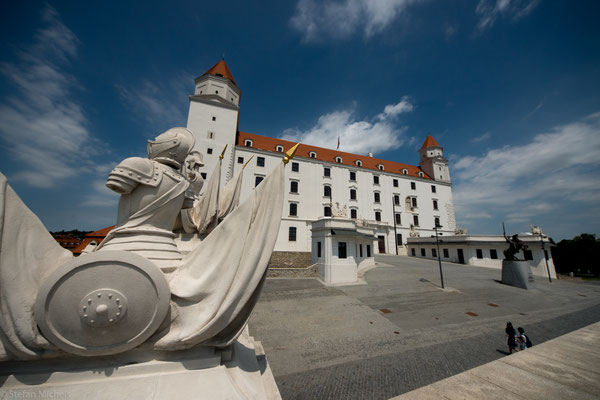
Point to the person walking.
(524, 340)
(511, 338)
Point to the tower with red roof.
(433, 162)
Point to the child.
(524, 340)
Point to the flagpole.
(219, 186)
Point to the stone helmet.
(171, 147)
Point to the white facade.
(419, 199)
(483, 251)
(341, 248)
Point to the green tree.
(579, 255)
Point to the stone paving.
(332, 343)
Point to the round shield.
(102, 303)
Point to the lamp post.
(545, 257)
(437, 242)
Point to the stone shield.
(102, 303)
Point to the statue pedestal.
(517, 273)
(200, 373)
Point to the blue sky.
(510, 88)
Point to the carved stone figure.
(413, 232)
(153, 192)
(338, 211)
(514, 246)
(136, 288)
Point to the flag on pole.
(338, 146)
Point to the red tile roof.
(220, 69)
(101, 234)
(430, 142)
(323, 154)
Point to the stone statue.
(153, 193)
(137, 288)
(536, 230)
(338, 211)
(413, 232)
(514, 246)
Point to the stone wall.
(292, 264)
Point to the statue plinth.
(517, 273)
(240, 372)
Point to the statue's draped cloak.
(215, 290)
(28, 255)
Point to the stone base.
(517, 273)
(201, 373)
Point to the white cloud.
(100, 195)
(379, 134)
(44, 129)
(340, 19)
(488, 12)
(481, 138)
(542, 181)
(159, 103)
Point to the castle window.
(279, 148)
(399, 239)
(352, 176)
(216, 92)
(358, 163)
(375, 179)
(327, 171)
(421, 174)
(396, 200)
(377, 197)
(342, 250)
(436, 221)
(326, 191)
(479, 253)
(413, 185)
(352, 194)
(395, 182)
(240, 160)
(433, 253)
(412, 252)
(404, 171)
(295, 167)
(319, 249)
(433, 189)
(528, 254)
(398, 219)
(211, 135)
(327, 211)
(493, 254)
(292, 234)
(416, 220)
(368, 250)
(353, 213)
(312, 154)
(260, 161)
(214, 118)
(248, 143)
(377, 215)
(338, 160)
(203, 175)
(380, 167)
(293, 209)
(446, 254)
(435, 204)
(208, 151)
(294, 186)
(414, 201)
(422, 252)
(258, 179)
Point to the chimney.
(370, 154)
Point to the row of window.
(342, 248)
(479, 252)
(260, 162)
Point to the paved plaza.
(400, 331)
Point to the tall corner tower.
(213, 117)
(433, 162)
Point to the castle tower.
(213, 117)
(432, 160)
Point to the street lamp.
(437, 242)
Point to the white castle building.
(392, 197)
